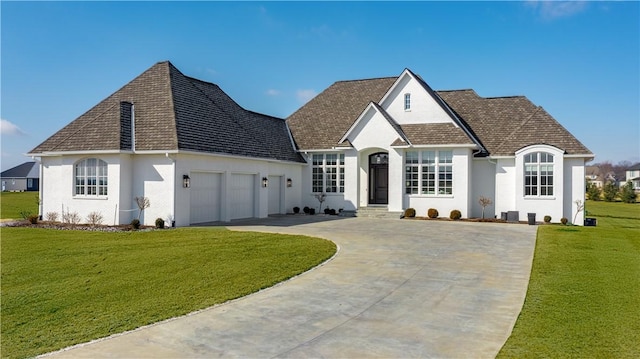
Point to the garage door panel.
(205, 195)
(242, 196)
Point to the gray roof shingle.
(501, 125)
(176, 112)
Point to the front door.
(379, 178)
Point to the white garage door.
(242, 196)
(205, 197)
(275, 185)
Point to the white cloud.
(558, 9)
(305, 95)
(273, 92)
(10, 129)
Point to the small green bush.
(159, 223)
(564, 220)
(296, 210)
(432, 213)
(547, 219)
(409, 213)
(455, 214)
(135, 223)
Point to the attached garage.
(242, 196)
(205, 197)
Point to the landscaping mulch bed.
(75, 227)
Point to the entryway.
(379, 178)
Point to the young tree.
(579, 208)
(593, 191)
(627, 194)
(484, 202)
(143, 203)
(610, 191)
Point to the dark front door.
(379, 178)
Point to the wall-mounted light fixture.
(289, 182)
(186, 181)
(265, 181)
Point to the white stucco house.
(633, 174)
(390, 143)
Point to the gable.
(374, 128)
(24, 170)
(424, 105)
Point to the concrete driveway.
(396, 288)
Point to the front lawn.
(12, 203)
(65, 287)
(583, 299)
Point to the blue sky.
(578, 60)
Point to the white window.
(429, 172)
(327, 173)
(538, 174)
(407, 101)
(91, 177)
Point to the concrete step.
(377, 212)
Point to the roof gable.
(372, 123)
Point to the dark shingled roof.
(322, 122)
(501, 125)
(25, 170)
(175, 112)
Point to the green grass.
(11, 203)
(65, 287)
(583, 299)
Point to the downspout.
(40, 187)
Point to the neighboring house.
(633, 175)
(594, 175)
(24, 177)
(390, 143)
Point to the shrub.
(332, 212)
(455, 214)
(627, 194)
(296, 210)
(610, 191)
(432, 213)
(409, 213)
(306, 209)
(312, 211)
(25, 213)
(33, 218)
(135, 223)
(547, 219)
(51, 216)
(593, 192)
(159, 223)
(95, 218)
(71, 218)
(327, 210)
(564, 220)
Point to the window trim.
(330, 174)
(440, 166)
(407, 101)
(94, 178)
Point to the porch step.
(377, 212)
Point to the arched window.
(91, 177)
(538, 174)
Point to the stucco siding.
(505, 190)
(483, 183)
(424, 109)
(574, 185)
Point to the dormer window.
(407, 102)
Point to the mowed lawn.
(12, 203)
(65, 287)
(583, 299)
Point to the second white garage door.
(242, 196)
(205, 197)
